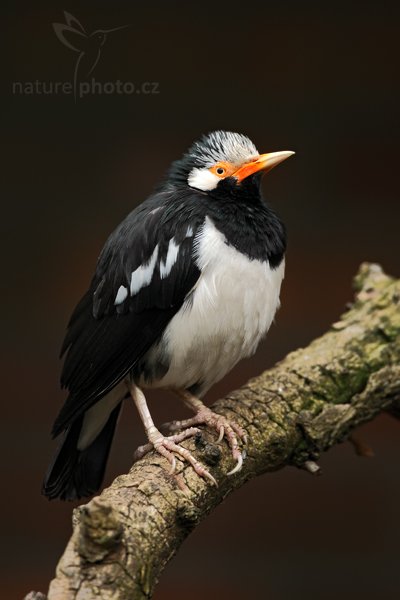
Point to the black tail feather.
(74, 473)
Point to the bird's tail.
(75, 473)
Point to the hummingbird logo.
(88, 46)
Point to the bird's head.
(223, 158)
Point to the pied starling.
(186, 286)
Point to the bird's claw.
(238, 466)
(221, 434)
(225, 428)
(170, 448)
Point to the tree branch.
(310, 401)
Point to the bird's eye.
(222, 169)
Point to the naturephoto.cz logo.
(88, 49)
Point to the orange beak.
(264, 163)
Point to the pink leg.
(205, 416)
(169, 447)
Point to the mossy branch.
(310, 401)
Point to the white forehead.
(223, 146)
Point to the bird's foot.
(225, 428)
(170, 448)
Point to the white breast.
(230, 310)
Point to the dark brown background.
(317, 78)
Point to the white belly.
(230, 310)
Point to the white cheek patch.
(203, 179)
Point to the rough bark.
(310, 401)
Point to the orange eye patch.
(223, 169)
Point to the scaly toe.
(142, 451)
(171, 446)
(225, 429)
(177, 438)
(239, 431)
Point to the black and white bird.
(185, 287)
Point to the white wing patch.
(141, 277)
(170, 260)
(121, 295)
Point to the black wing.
(143, 275)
